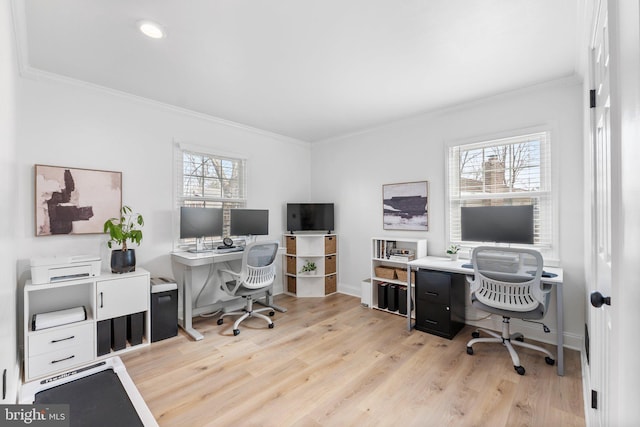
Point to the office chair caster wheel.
(236, 332)
(475, 334)
(271, 325)
(519, 370)
(469, 350)
(521, 339)
(219, 321)
(272, 313)
(549, 360)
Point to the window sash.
(492, 181)
(209, 180)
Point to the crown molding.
(29, 72)
(566, 81)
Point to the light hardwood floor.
(331, 362)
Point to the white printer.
(59, 268)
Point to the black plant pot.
(123, 261)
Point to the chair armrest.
(223, 282)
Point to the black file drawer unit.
(440, 302)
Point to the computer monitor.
(499, 224)
(198, 222)
(249, 222)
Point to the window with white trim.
(507, 171)
(209, 180)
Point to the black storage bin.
(382, 295)
(392, 297)
(135, 328)
(119, 333)
(104, 337)
(402, 299)
(164, 309)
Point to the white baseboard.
(348, 289)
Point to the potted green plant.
(452, 251)
(309, 267)
(125, 228)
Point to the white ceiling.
(307, 69)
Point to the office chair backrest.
(258, 264)
(508, 278)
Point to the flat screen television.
(200, 222)
(310, 217)
(499, 224)
(249, 222)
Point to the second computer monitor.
(200, 222)
(249, 222)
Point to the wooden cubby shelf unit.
(320, 249)
(388, 285)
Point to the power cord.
(545, 328)
(480, 318)
(215, 313)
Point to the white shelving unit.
(105, 297)
(321, 249)
(389, 258)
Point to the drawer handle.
(433, 322)
(101, 300)
(62, 360)
(63, 339)
(433, 294)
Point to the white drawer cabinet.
(59, 360)
(51, 340)
(108, 296)
(120, 296)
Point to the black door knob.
(597, 300)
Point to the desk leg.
(560, 328)
(409, 298)
(187, 306)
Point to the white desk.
(445, 264)
(190, 261)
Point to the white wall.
(351, 170)
(68, 124)
(8, 78)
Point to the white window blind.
(210, 180)
(508, 171)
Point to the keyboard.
(544, 274)
(228, 249)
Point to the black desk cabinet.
(440, 302)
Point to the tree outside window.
(213, 181)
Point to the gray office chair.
(507, 282)
(255, 277)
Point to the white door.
(614, 239)
(599, 278)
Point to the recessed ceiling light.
(151, 29)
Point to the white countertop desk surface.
(197, 259)
(190, 260)
(445, 264)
